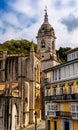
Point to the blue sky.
(21, 19)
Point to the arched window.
(43, 44)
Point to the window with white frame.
(70, 89)
(57, 91)
(54, 91)
(59, 73)
(77, 53)
(55, 74)
(52, 106)
(69, 57)
(73, 55)
(73, 108)
(61, 90)
(74, 111)
(48, 77)
(51, 109)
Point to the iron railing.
(63, 114)
(64, 97)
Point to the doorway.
(14, 117)
(48, 124)
(66, 125)
(55, 125)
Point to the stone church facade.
(20, 82)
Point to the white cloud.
(1, 24)
(35, 9)
(11, 18)
(23, 6)
(9, 34)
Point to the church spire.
(45, 16)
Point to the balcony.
(62, 98)
(62, 114)
(51, 113)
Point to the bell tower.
(46, 44)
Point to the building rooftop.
(72, 50)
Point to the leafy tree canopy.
(62, 54)
(15, 46)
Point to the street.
(40, 126)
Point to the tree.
(62, 54)
(14, 46)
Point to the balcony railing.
(51, 113)
(65, 97)
(62, 114)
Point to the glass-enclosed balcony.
(62, 114)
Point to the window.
(77, 89)
(73, 55)
(77, 53)
(48, 107)
(61, 90)
(48, 77)
(59, 74)
(52, 107)
(73, 108)
(77, 108)
(43, 44)
(55, 107)
(55, 74)
(54, 91)
(70, 90)
(48, 92)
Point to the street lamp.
(35, 120)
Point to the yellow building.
(61, 94)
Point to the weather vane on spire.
(45, 16)
(45, 9)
